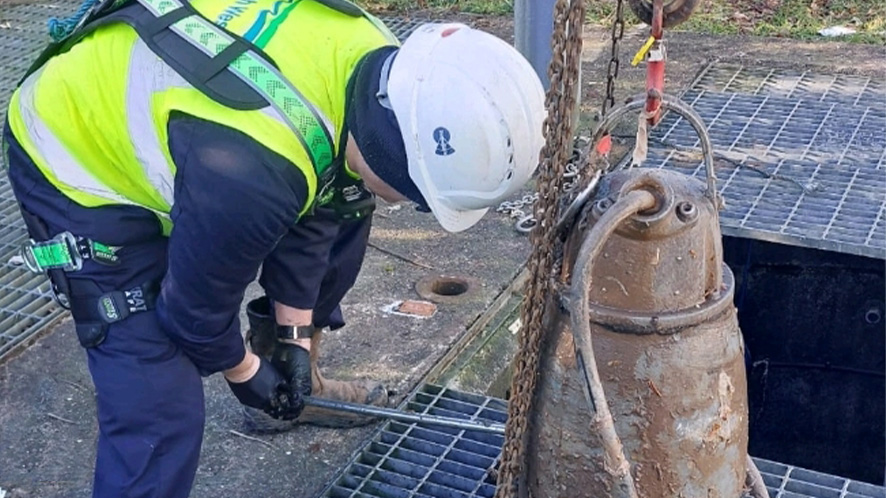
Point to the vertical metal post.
(533, 31)
(533, 28)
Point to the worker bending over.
(166, 152)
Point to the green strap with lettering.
(51, 255)
(301, 116)
(67, 252)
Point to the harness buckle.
(66, 252)
(60, 252)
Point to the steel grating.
(415, 461)
(408, 460)
(402, 26)
(801, 156)
(786, 481)
(25, 303)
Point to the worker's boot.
(262, 338)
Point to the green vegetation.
(800, 19)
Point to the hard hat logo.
(484, 148)
(442, 137)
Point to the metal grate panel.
(409, 460)
(786, 481)
(802, 156)
(402, 26)
(25, 304)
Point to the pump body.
(668, 349)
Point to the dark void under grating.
(801, 156)
(415, 461)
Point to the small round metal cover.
(447, 289)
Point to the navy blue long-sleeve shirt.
(236, 208)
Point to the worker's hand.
(267, 390)
(294, 363)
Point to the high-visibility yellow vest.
(94, 119)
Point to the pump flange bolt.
(602, 206)
(686, 211)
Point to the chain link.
(618, 32)
(521, 209)
(563, 73)
(514, 209)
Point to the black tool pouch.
(91, 335)
(94, 311)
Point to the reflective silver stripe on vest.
(147, 75)
(58, 159)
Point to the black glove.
(294, 364)
(267, 391)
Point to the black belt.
(114, 306)
(94, 312)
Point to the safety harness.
(230, 70)
(219, 63)
(93, 309)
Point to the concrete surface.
(47, 427)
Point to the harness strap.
(94, 312)
(219, 63)
(253, 69)
(160, 23)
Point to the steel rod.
(418, 418)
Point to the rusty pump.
(643, 275)
(629, 379)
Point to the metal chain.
(525, 222)
(521, 210)
(618, 32)
(556, 153)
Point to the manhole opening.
(449, 287)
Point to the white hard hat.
(470, 109)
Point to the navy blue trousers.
(149, 395)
